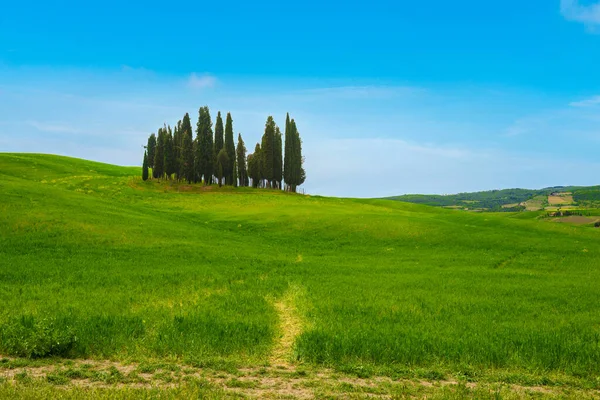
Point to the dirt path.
(290, 327)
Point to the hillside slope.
(509, 200)
(113, 267)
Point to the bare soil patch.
(295, 382)
(566, 199)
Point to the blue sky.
(390, 97)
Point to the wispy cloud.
(591, 102)
(52, 127)
(137, 71)
(588, 14)
(532, 124)
(196, 81)
(361, 92)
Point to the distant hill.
(550, 198)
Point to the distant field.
(535, 204)
(563, 199)
(96, 264)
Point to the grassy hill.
(96, 264)
(510, 200)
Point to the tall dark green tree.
(230, 148)
(205, 157)
(277, 159)
(255, 167)
(186, 162)
(187, 156)
(294, 172)
(252, 174)
(235, 177)
(170, 163)
(222, 164)
(219, 143)
(287, 161)
(159, 155)
(151, 147)
(268, 152)
(250, 164)
(145, 167)
(177, 149)
(197, 160)
(242, 172)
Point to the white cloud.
(201, 81)
(534, 124)
(516, 129)
(592, 101)
(588, 14)
(52, 127)
(361, 92)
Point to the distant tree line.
(174, 154)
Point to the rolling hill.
(510, 200)
(129, 286)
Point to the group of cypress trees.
(175, 154)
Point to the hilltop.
(116, 286)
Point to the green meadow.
(97, 264)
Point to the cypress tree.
(185, 164)
(187, 156)
(268, 151)
(293, 172)
(253, 170)
(259, 157)
(230, 148)
(151, 149)
(170, 163)
(205, 157)
(159, 155)
(287, 162)
(255, 166)
(297, 174)
(218, 145)
(177, 149)
(145, 167)
(277, 159)
(197, 160)
(222, 163)
(242, 172)
(250, 163)
(235, 177)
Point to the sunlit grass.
(141, 270)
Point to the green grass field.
(97, 264)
